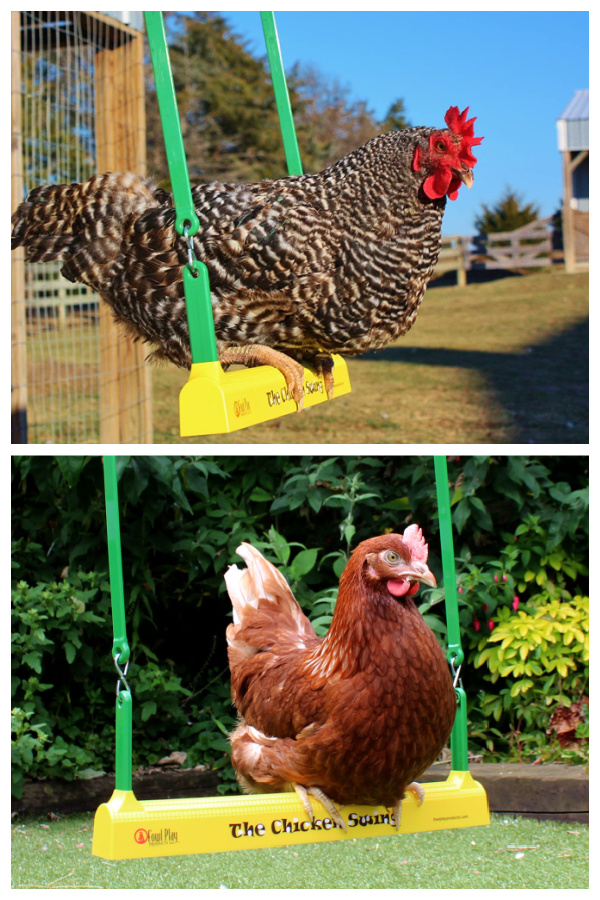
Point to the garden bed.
(553, 792)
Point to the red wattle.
(437, 184)
(398, 586)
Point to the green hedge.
(521, 531)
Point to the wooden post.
(125, 378)
(567, 217)
(570, 214)
(17, 285)
(461, 272)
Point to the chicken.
(300, 267)
(351, 718)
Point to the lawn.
(503, 361)
(509, 853)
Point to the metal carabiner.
(122, 674)
(192, 259)
(455, 672)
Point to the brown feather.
(360, 713)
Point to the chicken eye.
(440, 146)
(391, 556)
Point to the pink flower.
(486, 607)
(476, 624)
(515, 603)
(460, 590)
(490, 624)
(495, 578)
(505, 577)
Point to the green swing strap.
(455, 656)
(282, 97)
(196, 286)
(120, 648)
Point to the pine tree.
(509, 213)
(395, 118)
(226, 104)
(229, 117)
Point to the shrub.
(520, 531)
(62, 722)
(541, 656)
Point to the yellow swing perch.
(212, 401)
(128, 828)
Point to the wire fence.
(77, 108)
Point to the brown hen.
(299, 268)
(351, 718)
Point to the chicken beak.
(419, 572)
(465, 174)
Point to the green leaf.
(34, 661)
(461, 514)
(149, 709)
(71, 468)
(259, 495)
(303, 563)
(482, 516)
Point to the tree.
(509, 213)
(329, 123)
(395, 118)
(228, 113)
(229, 117)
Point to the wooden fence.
(527, 247)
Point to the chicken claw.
(415, 788)
(259, 355)
(319, 795)
(323, 365)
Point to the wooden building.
(78, 107)
(573, 143)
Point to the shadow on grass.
(544, 389)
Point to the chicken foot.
(415, 788)
(323, 366)
(322, 797)
(259, 355)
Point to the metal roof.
(573, 125)
(133, 19)
(578, 107)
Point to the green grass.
(509, 853)
(504, 361)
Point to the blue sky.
(515, 70)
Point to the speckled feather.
(361, 713)
(337, 261)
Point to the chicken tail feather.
(81, 224)
(265, 610)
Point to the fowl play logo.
(160, 838)
(242, 407)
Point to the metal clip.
(122, 674)
(190, 250)
(455, 672)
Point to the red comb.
(459, 124)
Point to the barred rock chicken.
(351, 718)
(299, 268)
